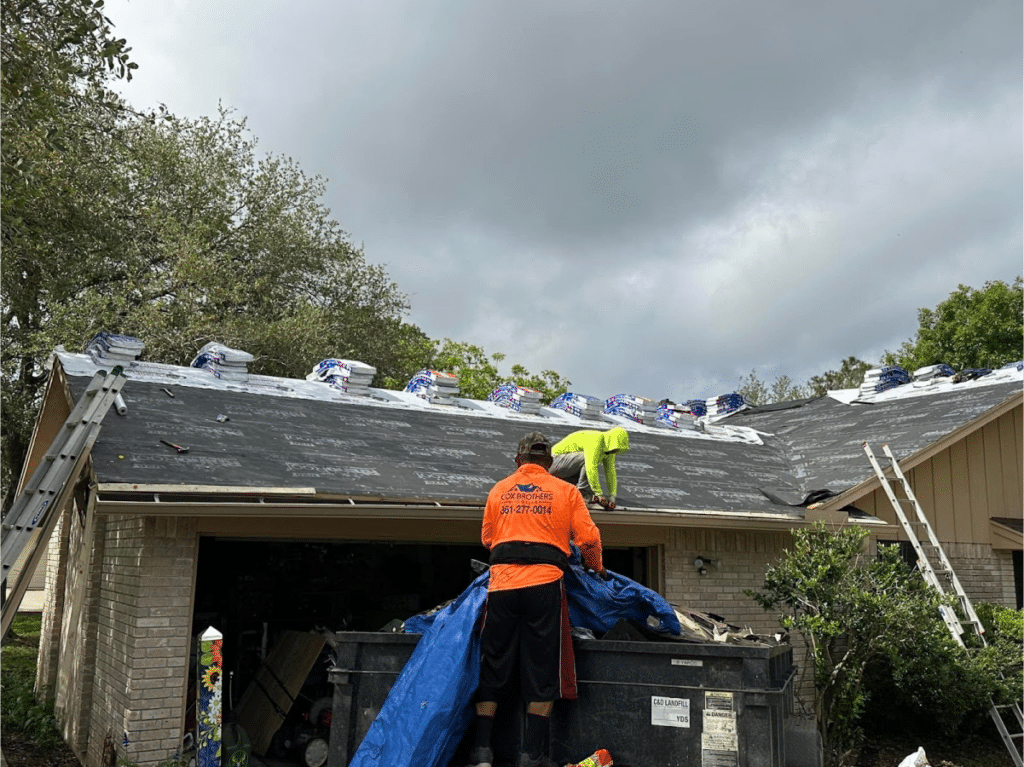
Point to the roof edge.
(1004, 537)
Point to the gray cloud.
(652, 198)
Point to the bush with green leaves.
(861, 614)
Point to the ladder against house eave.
(942, 577)
(27, 526)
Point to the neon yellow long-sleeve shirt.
(595, 446)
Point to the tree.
(849, 376)
(57, 56)
(178, 232)
(479, 376)
(970, 329)
(757, 392)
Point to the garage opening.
(257, 591)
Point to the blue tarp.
(430, 705)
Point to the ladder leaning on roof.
(32, 517)
(942, 578)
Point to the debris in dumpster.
(624, 631)
(600, 758)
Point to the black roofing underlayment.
(823, 438)
(368, 451)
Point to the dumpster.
(677, 703)
(648, 703)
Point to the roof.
(308, 439)
(823, 438)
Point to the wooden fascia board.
(871, 484)
(1003, 537)
(56, 395)
(268, 508)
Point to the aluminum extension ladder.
(32, 518)
(941, 577)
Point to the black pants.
(522, 629)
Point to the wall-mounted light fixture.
(702, 564)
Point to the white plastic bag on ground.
(916, 760)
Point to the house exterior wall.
(125, 616)
(963, 486)
(742, 558)
(54, 567)
(960, 489)
(143, 637)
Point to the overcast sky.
(651, 198)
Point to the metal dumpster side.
(368, 664)
(675, 703)
(663, 703)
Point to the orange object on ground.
(600, 758)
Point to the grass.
(21, 712)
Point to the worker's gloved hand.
(605, 575)
(603, 502)
(611, 501)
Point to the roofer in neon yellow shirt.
(579, 456)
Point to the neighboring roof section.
(823, 438)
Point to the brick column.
(143, 634)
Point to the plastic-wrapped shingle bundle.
(518, 398)
(1018, 365)
(675, 416)
(110, 347)
(696, 407)
(581, 405)
(224, 362)
(880, 379)
(633, 407)
(929, 372)
(348, 376)
(724, 403)
(434, 385)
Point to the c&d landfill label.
(670, 712)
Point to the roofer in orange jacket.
(529, 520)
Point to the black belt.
(529, 553)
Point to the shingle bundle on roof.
(675, 416)
(880, 379)
(582, 405)
(517, 398)
(224, 362)
(110, 347)
(929, 372)
(633, 407)
(1019, 365)
(696, 407)
(348, 376)
(434, 385)
(725, 403)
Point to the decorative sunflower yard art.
(208, 705)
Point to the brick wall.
(986, 575)
(741, 560)
(55, 566)
(142, 625)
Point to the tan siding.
(995, 496)
(976, 526)
(1010, 458)
(960, 501)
